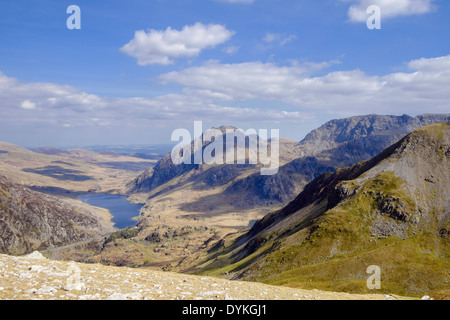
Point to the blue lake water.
(122, 210)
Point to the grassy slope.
(336, 254)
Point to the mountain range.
(231, 198)
(391, 211)
(336, 144)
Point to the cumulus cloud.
(31, 96)
(281, 39)
(389, 8)
(424, 88)
(161, 46)
(65, 106)
(230, 49)
(28, 105)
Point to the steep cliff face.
(30, 220)
(164, 171)
(392, 211)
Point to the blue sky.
(137, 70)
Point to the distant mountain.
(107, 159)
(147, 156)
(52, 151)
(211, 175)
(31, 220)
(70, 172)
(392, 211)
(337, 143)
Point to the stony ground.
(34, 277)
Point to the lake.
(122, 210)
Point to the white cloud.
(65, 106)
(279, 38)
(270, 37)
(230, 49)
(389, 8)
(28, 105)
(244, 81)
(433, 65)
(160, 47)
(423, 89)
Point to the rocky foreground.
(34, 277)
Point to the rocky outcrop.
(31, 220)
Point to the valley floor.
(34, 277)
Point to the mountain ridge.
(335, 144)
